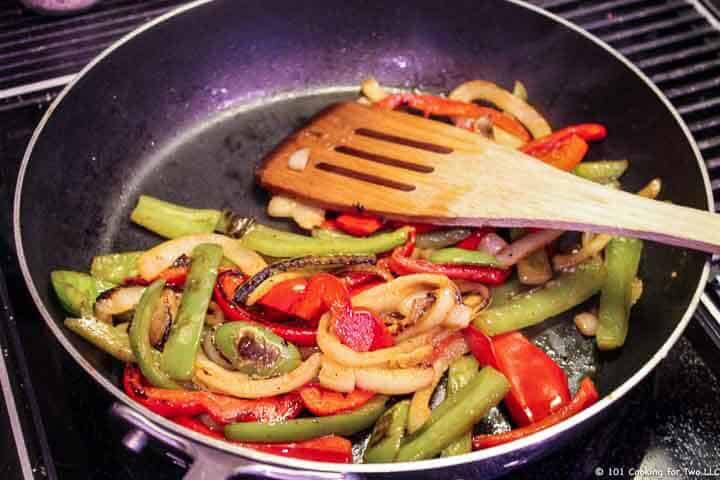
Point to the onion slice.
(217, 379)
(524, 246)
(116, 301)
(512, 104)
(393, 381)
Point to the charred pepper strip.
(178, 357)
(483, 392)
(622, 258)
(170, 220)
(561, 294)
(280, 244)
(147, 357)
(388, 433)
(460, 373)
(313, 261)
(112, 339)
(308, 428)
(115, 267)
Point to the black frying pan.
(183, 111)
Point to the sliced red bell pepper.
(174, 276)
(564, 154)
(401, 263)
(330, 448)
(285, 295)
(538, 386)
(300, 336)
(433, 105)
(363, 331)
(360, 225)
(324, 292)
(472, 242)
(323, 402)
(586, 396)
(222, 408)
(360, 281)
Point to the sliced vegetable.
(172, 221)
(622, 258)
(387, 434)
(217, 379)
(309, 428)
(323, 402)
(603, 171)
(283, 296)
(116, 301)
(255, 351)
(586, 396)
(360, 225)
(461, 372)
(535, 268)
(221, 408)
(281, 244)
(441, 238)
(586, 131)
(115, 267)
(363, 331)
(147, 357)
(178, 356)
(538, 384)
(466, 408)
(77, 291)
(523, 310)
(393, 381)
(113, 340)
(306, 216)
(463, 256)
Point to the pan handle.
(209, 463)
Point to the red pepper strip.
(360, 225)
(300, 336)
(362, 331)
(400, 263)
(432, 105)
(586, 396)
(586, 131)
(223, 409)
(538, 386)
(324, 292)
(323, 402)
(473, 241)
(565, 154)
(174, 277)
(285, 295)
(330, 448)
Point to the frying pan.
(183, 109)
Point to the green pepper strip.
(622, 258)
(601, 172)
(469, 405)
(328, 233)
(147, 357)
(461, 372)
(277, 243)
(113, 340)
(115, 267)
(502, 294)
(172, 221)
(558, 295)
(441, 238)
(387, 434)
(463, 256)
(308, 428)
(77, 291)
(178, 357)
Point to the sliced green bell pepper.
(466, 408)
(111, 339)
(460, 373)
(464, 256)
(558, 295)
(622, 258)
(178, 357)
(147, 357)
(280, 244)
(170, 220)
(308, 428)
(115, 267)
(77, 291)
(388, 433)
(601, 172)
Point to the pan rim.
(432, 464)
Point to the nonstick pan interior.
(186, 109)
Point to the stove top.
(668, 426)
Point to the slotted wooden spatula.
(406, 167)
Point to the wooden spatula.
(406, 167)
